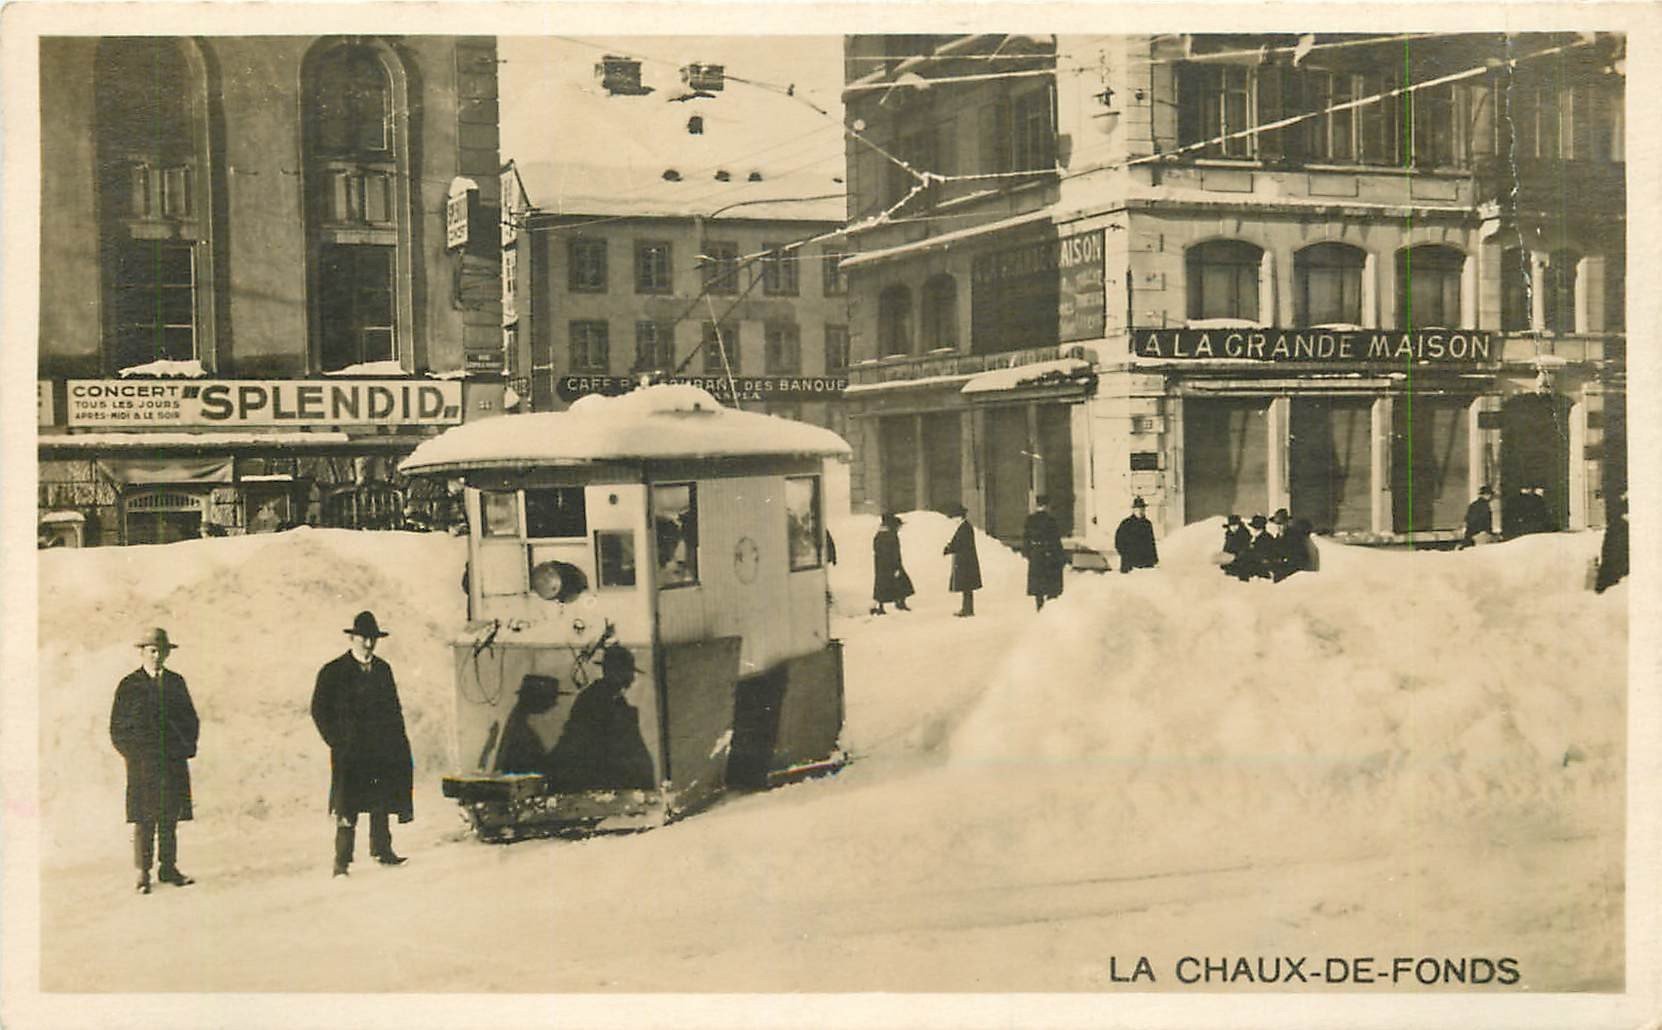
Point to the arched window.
(1327, 284)
(357, 178)
(1516, 287)
(1223, 279)
(894, 321)
(1428, 286)
(153, 178)
(1558, 290)
(354, 107)
(940, 313)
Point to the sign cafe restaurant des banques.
(257, 294)
(1116, 285)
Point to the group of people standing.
(155, 728)
(1041, 545)
(1268, 548)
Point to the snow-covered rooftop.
(666, 421)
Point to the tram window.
(802, 522)
(616, 551)
(500, 511)
(675, 525)
(555, 512)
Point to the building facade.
(1355, 277)
(610, 299)
(270, 266)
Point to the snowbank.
(254, 617)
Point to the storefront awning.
(1061, 372)
(142, 471)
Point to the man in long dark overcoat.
(1237, 540)
(889, 582)
(154, 726)
(1041, 542)
(966, 565)
(1134, 539)
(356, 709)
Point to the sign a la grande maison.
(237, 403)
(1358, 346)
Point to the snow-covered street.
(1407, 754)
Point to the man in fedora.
(355, 706)
(153, 724)
(966, 565)
(1134, 539)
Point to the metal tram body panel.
(659, 526)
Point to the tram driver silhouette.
(601, 747)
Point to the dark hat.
(1232, 520)
(1281, 516)
(617, 660)
(1258, 522)
(157, 636)
(1138, 502)
(956, 511)
(364, 625)
(890, 519)
(1484, 490)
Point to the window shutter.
(1272, 104)
(993, 134)
(1191, 90)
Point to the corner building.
(1235, 273)
(270, 266)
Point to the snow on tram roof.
(666, 421)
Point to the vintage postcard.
(703, 514)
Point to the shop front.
(157, 461)
(1371, 435)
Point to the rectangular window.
(720, 265)
(558, 512)
(992, 131)
(654, 346)
(615, 558)
(835, 281)
(589, 346)
(675, 532)
(718, 341)
(586, 265)
(1034, 137)
(1331, 136)
(1214, 102)
(499, 511)
(356, 305)
(783, 354)
(780, 275)
(836, 350)
(1432, 113)
(1377, 123)
(652, 267)
(155, 303)
(803, 529)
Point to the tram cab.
(647, 608)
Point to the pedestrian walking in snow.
(1041, 541)
(890, 583)
(1236, 540)
(966, 566)
(1134, 539)
(355, 706)
(154, 726)
(1613, 553)
(1480, 525)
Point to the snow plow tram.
(648, 622)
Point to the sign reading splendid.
(1350, 346)
(159, 404)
